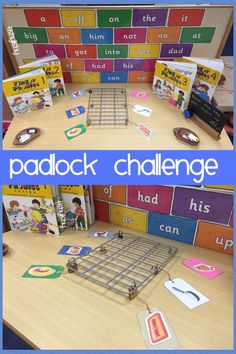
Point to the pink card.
(142, 95)
(203, 268)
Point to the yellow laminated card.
(26, 61)
(78, 18)
(127, 217)
(220, 186)
(86, 77)
(144, 50)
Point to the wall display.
(119, 45)
(196, 215)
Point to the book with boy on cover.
(207, 77)
(34, 208)
(27, 92)
(173, 81)
(74, 200)
(52, 67)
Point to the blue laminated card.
(78, 251)
(76, 111)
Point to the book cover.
(27, 92)
(73, 197)
(89, 204)
(52, 67)
(34, 208)
(173, 81)
(207, 77)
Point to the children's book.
(27, 92)
(207, 77)
(52, 67)
(34, 208)
(74, 200)
(173, 81)
(88, 193)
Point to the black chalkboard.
(206, 112)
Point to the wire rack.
(124, 263)
(107, 106)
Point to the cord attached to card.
(168, 275)
(143, 302)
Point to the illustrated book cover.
(34, 208)
(52, 67)
(74, 200)
(27, 92)
(207, 77)
(173, 82)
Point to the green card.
(73, 132)
(30, 35)
(43, 271)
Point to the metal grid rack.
(124, 263)
(107, 106)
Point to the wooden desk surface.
(164, 119)
(71, 313)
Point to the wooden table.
(53, 122)
(72, 313)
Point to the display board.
(118, 44)
(197, 215)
